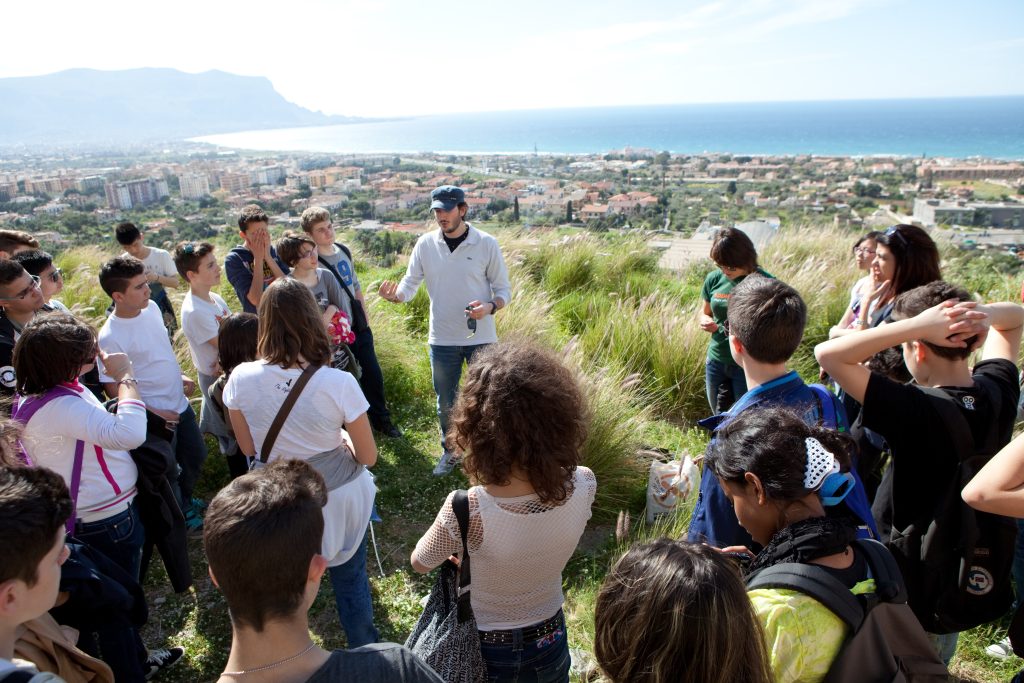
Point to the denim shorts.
(545, 660)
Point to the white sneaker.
(446, 463)
(1000, 650)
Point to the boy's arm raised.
(841, 358)
(1007, 323)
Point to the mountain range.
(82, 106)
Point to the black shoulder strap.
(889, 585)
(460, 506)
(19, 676)
(337, 276)
(816, 582)
(954, 420)
(345, 249)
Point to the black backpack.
(886, 642)
(957, 560)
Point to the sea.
(988, 127)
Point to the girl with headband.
(781, 476)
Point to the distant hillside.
(138, 105)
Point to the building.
(194, 185)
(971, 171)
(985, 214)
(235, 182)
(268, 175)
(130, 194)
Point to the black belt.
(530, 633)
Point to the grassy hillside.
(626, 326)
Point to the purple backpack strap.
(22, 412)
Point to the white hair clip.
(820, 464)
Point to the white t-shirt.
(109, 474)
(200, 320)
(160, 262)
(331, 400)
(144, 339)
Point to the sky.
(412, 57)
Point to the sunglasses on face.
(34, 285)
(56, 275)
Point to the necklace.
(269, 666)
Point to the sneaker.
(158, 660)
(388, 428)
(1000, 650)
(446, 464)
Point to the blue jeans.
(352, 598)
(1018, 564)
(944, 644)
(717, 374)
(190, 452)
(120, 538)
(446, 371)
(533, 661)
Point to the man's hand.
(708, 324)
(188, 385)
(478, 310)
(389, 291)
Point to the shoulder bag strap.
(286, 407)
(23, 411)
(460, 506)
(815, 582)
(76, 482)
(884, 570)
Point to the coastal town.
(193, 191)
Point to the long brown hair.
(291, 326)
(671, 611)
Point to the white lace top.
(518, 547)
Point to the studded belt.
(530, 633)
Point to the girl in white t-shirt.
(520, 421)
(291, 337)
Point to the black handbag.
(446, 636)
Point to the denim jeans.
(190, 452)
(372, 380)
(446, 370)
(545, 660)
(717, 374)
(1018, 564)
(945, 645)
(352, 598)
(120, 538)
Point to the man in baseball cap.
(468, 283)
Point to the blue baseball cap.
(447, 197)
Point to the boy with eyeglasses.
(20, 299)
(51, 279)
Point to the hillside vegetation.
(626, 326)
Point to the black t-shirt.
(377, 663)
(454, 242)
(924, 458)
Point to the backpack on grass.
(957, 560)
(886, 643)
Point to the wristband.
(129, 381)
(494, 307)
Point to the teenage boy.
(277, 512)
(136, 328)
(20, 300)
(468, 283)
(766, 323)
(34, 504)
(202, 310)
(930, 323)
(160, 272)
(13, 241)
(336, 258)
(254, 255)
(51, 280)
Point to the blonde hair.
(677, 612)
(312, 216)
